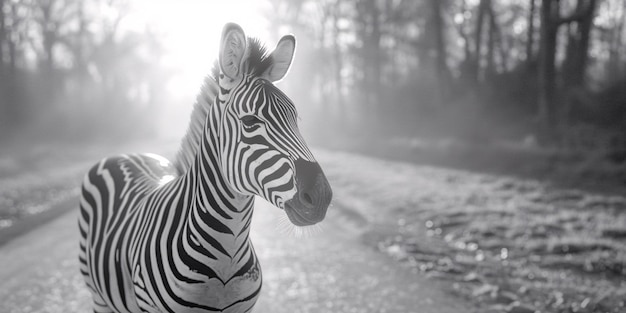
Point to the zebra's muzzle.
(313, 195)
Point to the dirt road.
(400, 237)
(331, 271)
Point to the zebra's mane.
(190, 143)
(258, 61)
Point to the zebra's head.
(262, 151)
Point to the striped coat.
(174, 237)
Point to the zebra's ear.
(281, 58)
(232, 50)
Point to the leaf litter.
(508, 244)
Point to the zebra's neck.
(219, 217)
(212, 191)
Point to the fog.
(480, 144)
(368, 72)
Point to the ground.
(461, 241)
(329, 271)
(505, 243)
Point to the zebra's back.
(112, 217)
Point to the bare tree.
(577, 54)
(516, 54)
(530, 32)
(615, 37)
(441, 53)
(551, 20)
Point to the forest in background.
(548, 72)
(68, 71)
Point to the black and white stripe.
(161, 237)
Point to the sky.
(191, 31)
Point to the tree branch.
(578, 15)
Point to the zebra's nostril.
(306, 197)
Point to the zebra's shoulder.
(148, 167)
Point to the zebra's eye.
(250, 121)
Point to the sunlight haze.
(190, 32)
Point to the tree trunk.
(337, 55)
(3, 81)
(490, 70)
(368, 31)
(530, 35)
(441, 54)
(482, 10)
(614, 64)
(547, 71)
(466, 41)
(49, 38)
(376, 55)
(2, 37)
(13, 108)
(577, 55)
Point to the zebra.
(161, 236)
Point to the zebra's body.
(159, 237)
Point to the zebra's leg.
(99, 305)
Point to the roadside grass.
(29, 194)
(508, 244)
(36, 176)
